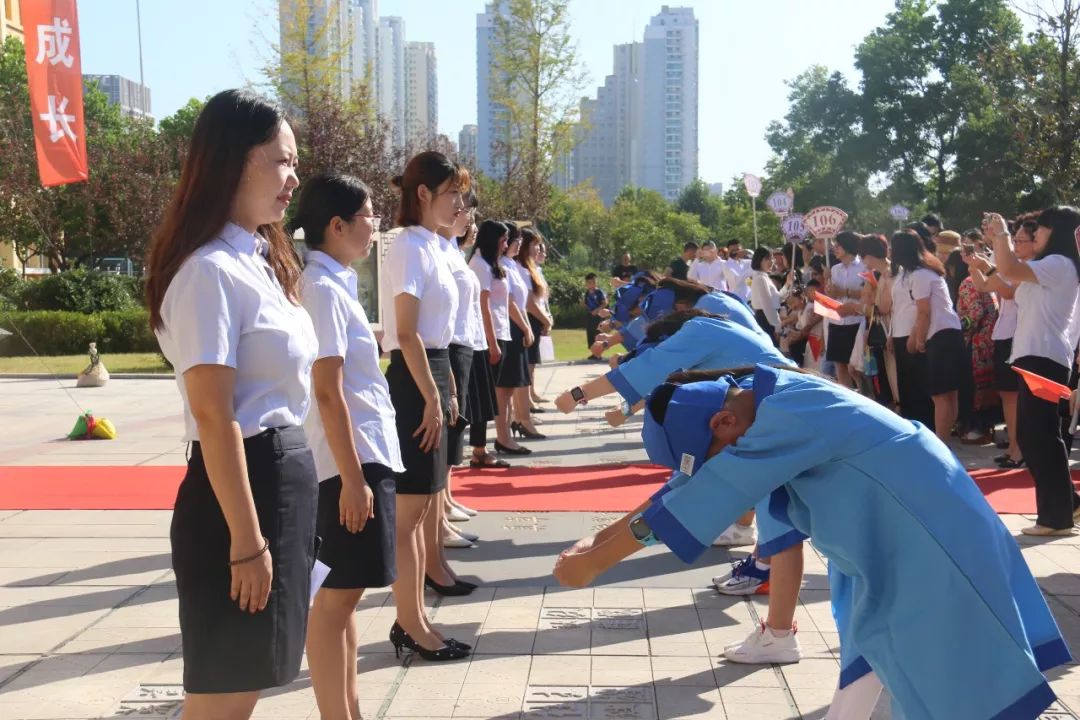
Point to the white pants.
(857, 701)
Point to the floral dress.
(978, 312)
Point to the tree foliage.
(955, 109)
(535, 84)
(132, 172)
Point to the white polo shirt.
(1045, 310)
(498, 297)
(738, 275)
(416, 265)
(225, 307)
(328, 293)
(468, 322)
(710, 274)
(928, 284)
(847, 277)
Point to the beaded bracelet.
(256, 556)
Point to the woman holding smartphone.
(352, 433)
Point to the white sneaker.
(735, 536)
(454, 514)
(762, 648)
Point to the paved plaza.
(89, 619)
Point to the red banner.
(54, 72)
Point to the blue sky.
(193, 48)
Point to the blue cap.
(658, 304)
(683, 440)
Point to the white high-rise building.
(467, 145)
(365, 44)
(667, 155)
(421, 94)
(391, 67)
(487, 112)
(336, 16)
(642, 128)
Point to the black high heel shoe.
(458, 589)
(504, 450)
(452, 650)
(519, 429)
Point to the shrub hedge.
(53, 332)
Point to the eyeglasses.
(376, 220)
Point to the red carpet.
(597, 488)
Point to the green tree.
(697, 199)
(536, 82)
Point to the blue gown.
(929, 589)
(704, 344)
(732, 307)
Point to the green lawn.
(569, 345)
(70, 364)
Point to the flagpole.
(753, 209)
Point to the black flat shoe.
(503, 450)
(537, 410)
(1010, 464)
(452, 650)
(458, 589)
(1001, 458)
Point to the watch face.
(640, 530)
(578, 394)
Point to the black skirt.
(227, 649)
(533, 352)
(365, 559)
(946, 360)
(841, 343)
(482, 404)
(461, 362)
(764, 324)
(514, 368)
(425, 472)
(1005, 378)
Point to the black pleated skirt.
(425, 472)
(227, 649)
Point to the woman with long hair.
(513, 379)
(1046, 295)
(908, 254)
(420, 301)
(540, 320)
(352, 433)
(936, 331)
(222, 288)
(488, 264)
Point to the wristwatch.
(578, 395)
(642, 532)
